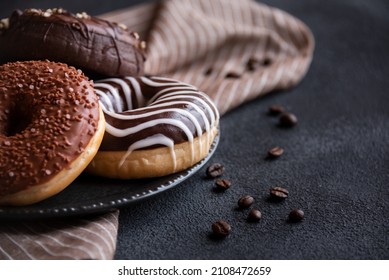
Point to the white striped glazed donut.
(155, 126)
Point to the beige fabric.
(188, 38)
(205, 43)
(81, 238)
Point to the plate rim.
(20, 213)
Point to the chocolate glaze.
(152, 107)
(48, 115)
(92, 44)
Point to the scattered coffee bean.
(254, 215)
(215, 170)
(287, 120)
(267, 61)
(208, 71)
(222, 184)
(245, 201)
(296, 215)
(221, 229)
(275, 152)
(253, 64)
(232, 75)
(279, 193)
(275, 110)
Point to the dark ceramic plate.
(89, 194)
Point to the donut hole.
(19, 116)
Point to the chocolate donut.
(154, 127)
(51, 126)
(94, 45)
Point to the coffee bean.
(275, 152)
(232, 75)
(267, 61)
(287, 120)
(215, 170)
(279, 193)
(275, 110)
(254, 215)
(208, 71)
(245, 201)
(222, 184)
(221, 228)
(296, 215)
(253, 64)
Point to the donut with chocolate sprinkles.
(51, 126)
(98, 47)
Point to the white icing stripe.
(170, 96)
(138, 92)
(104, 100)
(178, 95)
(125, 88)
(180, 111)
(209, 110)
(167, 110)
(214, 109)
(170, 89)
(131, 130)
(156, 139)
(115, 94)
(155, 112)
(195, 122)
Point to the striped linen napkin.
(233, 50)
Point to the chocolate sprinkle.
(39, 131)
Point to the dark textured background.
(336, 161)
